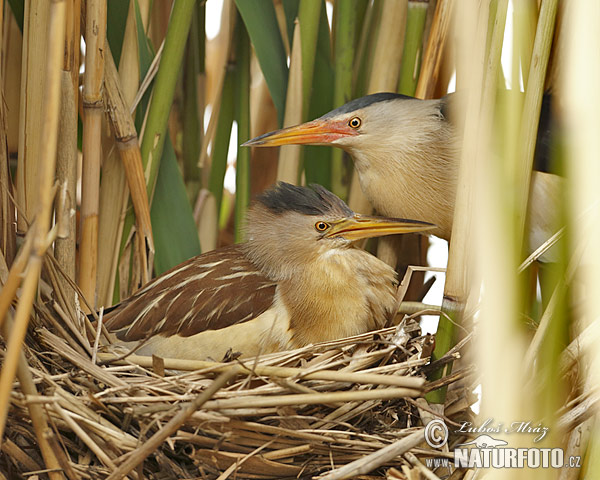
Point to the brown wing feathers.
(208, 292)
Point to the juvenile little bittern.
(406, 152)
(298, 279)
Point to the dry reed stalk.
(175, 364)
(113, 190)
(436, 42)
(264, 119)
(41, 227)
(84, 437)
(66, 176)
(12, 59)
(66, 161)
(371, 462)
(289, 155)
(11, 449)
(61, 456)
(206, 218)
(7, 211)
(129, 150)
(36, 411)
(388, 50)
(13, 280)
(83, 363)
(308, 398)
(36, 20)
(95, 37)
(171, 427)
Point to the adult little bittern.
(406, 153)
(298, 279)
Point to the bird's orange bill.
(317, 132)
(363, 226)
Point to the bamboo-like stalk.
(95, 36)
(7, 231)
(263, 119)
(242, 171)
(207, 220)
(432, 59)
(66, 176)
(32, 99)
(66, 161)
(129, 151)
(41, 227)
(7, 211)
(113, 190)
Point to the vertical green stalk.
(191, 119)
(242, 95)
(218, 164)
(164, 88)
(317, 160)
(345, 31)
(308, 16)
(413, 47)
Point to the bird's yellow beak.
(363, 226)
(317, 132)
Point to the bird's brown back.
(208, 292)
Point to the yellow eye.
(321, 226)
(354, 122)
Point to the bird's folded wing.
(208, 292)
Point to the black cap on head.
(312, 200)
(365, 101)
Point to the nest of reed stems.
(331, 410)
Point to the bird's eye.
(321, 226)
(354, 122)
